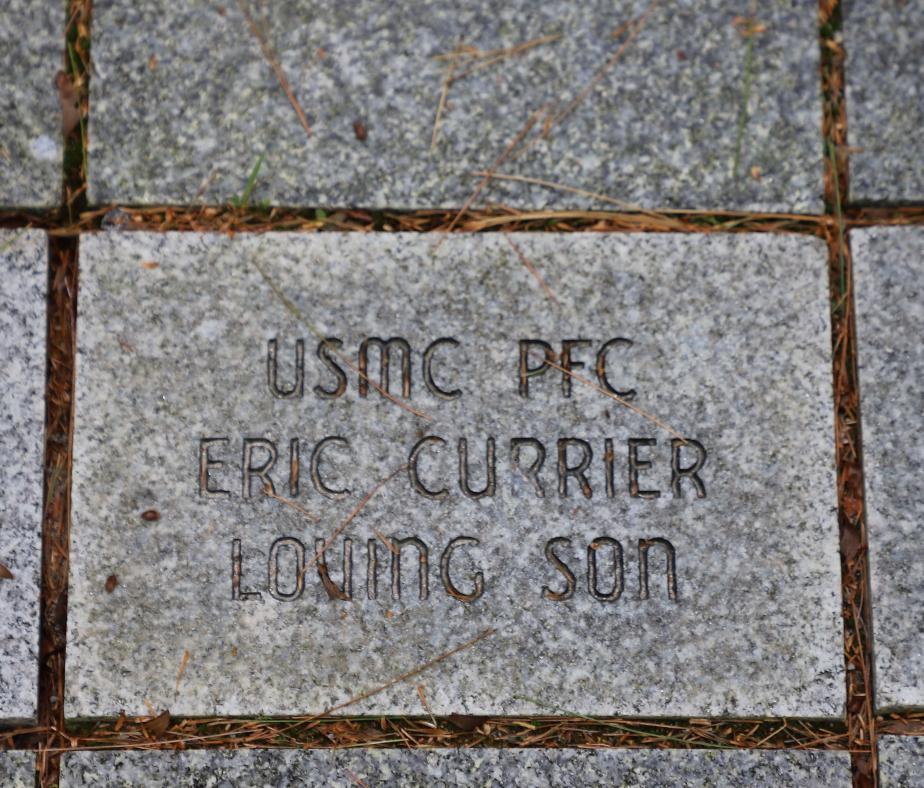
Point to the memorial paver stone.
(17, 769)
(530, 768)
(888, 264)
(30, 129)
(24, 266)
(307, 464)
(689, 105)
(884, 41)
(901, 761)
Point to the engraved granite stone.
(884, 41)
(670, 551)
(901, 762)
(24, 266)
(30, 116)
(889, 263)
(531, 768)
(692, 106)
(17, 769)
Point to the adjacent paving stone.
(889, 263)
(17, 769)
(699, 109)
(203, 601)
(24, 267)
(452, 767)
(884, 40)
(901, 762)
(30, 129)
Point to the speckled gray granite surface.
(23, 274)
(693, 113)
(884, 40)
(901, 762)
(725, 340)
(452, 767)
(17, 769)
(30, 117)
(889, 264)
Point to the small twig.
(179, 674)
(277, 68)
(444, 94)
(319, 554)
(410, 674)
(636, 28)
(297, 313)
(268, 492)
(625, 403)
(531, 121)
(532, 269)
(423, 700)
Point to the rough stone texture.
(731, 348)
(24, 267)
(901, 762)
(17, 769)
(885, 99)
(660, 128)
(451, 767)
(30, 117)
(890, 320)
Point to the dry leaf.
(67, 98)
(157, 726)
(465, 722)
(5, 574)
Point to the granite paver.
(536, 768)
(884, 41)
(30, 115)
(888, 265)
(687, 566)
(700, 107)
(24, 267)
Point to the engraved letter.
(548, 593)
(636, 465)
(316, 467)
(677, 473)
(412, 471)
(272, 371)
(384, 347)
(372, 569)
(567, 364)
(608, 458)
(248, 471)
(565, 470)
(444, 571)
(526, 371)
(532, 472)
(345, 591)
(670, 560)
(236, 594)
(294, 467)
(299, 549)
(490, 481)
(627, 394)
(618, 577)
(326, 352)
(206, 464)
(432, 387)
(422, 567)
